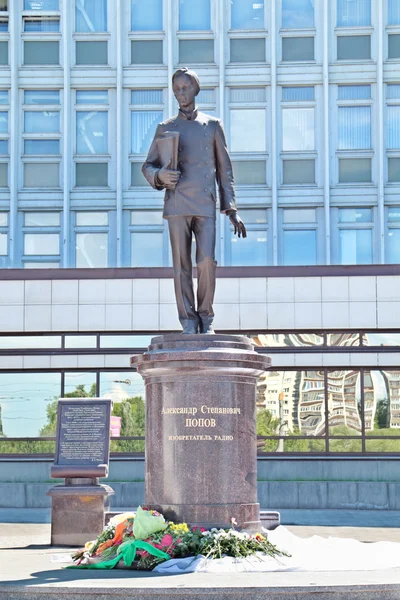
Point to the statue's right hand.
(167, 177)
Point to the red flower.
(200, 528)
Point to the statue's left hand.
(238, 225)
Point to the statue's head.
(186, 86)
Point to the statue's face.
(184, 91)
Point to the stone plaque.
(83, 431)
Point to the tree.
(381, 414)
(132, 413)
(1, 425)
(267, 424)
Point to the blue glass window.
(144, 125)
(251, 251)
(355, 246)
(300, 247)
(3, 122)
(146, 97)
(42, 147)
(393, 126)
(146, 15)
(146, 249)
(38, 25)
(353, 13)
(393, 246)
(92, 132)
(92, 97)
(393, 12)
(354, 127)
(354, 92)
(298, 93)
(42, 122)
(297, 14)
(194, 15)
(3, 96)
(393, 91)
(41, 5)
(355, 215)
(91, 15)
(42, 97)
(247, 14)
(3, 146)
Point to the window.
(41, 37)
(248, 130)
(41, 239)
(146, 16)
(196, 51)
(299, 242)
(393, 131)
(353, 13)
(296, 49)
(3, 236)
(297, 14)
(4, 136)
(393, 12)
(91, 235)
(41, 138)
(91, 53)
(91, 15)
(145, 52)
(146, 113)
(92, 136)
(4, 21)
(249, 172)
(149, 239)
(41, 5)
(194, 15)
(247, 50)
(353, 47)
(355, 236)
(247, 14)
(298, 129)
(41, 53)
(355, 170)
(296, 172)
(252, 250)
(393, 235)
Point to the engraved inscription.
(206, 422)
(83, 434)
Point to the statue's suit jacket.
(203, 161)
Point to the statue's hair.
(192, 76)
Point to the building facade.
(309, 94)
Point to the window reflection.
(125, 341)
(343, 339)
(344, 403)
(279, 340)
(80, 341)
(80, 385)
(119, 385)
(30, 342)
(381, 339)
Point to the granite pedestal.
(200, 428)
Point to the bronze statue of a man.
(190, 199)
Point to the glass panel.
(41, 5)
(3, 174)
(298, 129)
(394, 169)
(393, 249)
(144, 125)
(354, 92)
(91, 219)
(286, 340)
(297, 48)
(353, 13)
(41, 53)
(393, 12)
(354, 170)
(3, 53)
(394, 214)
(248, 130)
(3, 244)
(298, 94)
(3, 122)
(247, 50)
(297, 14)
(393, 91)
(41, 219)
(145, 52)
(3, 96)
(254, 216)
(345, 445)
(298, 171)
(355, 246)
(30, 342)
(46, 147)
(250, 172)
(80, 385)
(39, 25)
(91, 53)
(146, 217)
(147, 97)
(120, 386)
(125, 341)
(3, 146)
(137, 177)
(146, 16)
(355, 215)
(381, 339)
(92, 250)
(37, 175)
(92, 96)
(250, 251)
(3, 5)
(91, 174)
(247, 14)
(91, 15)
(43, 244)
(80, 341)
(196, 51)
(28, 403)
(343, 339)
(354, 127)
(42, 97)
(3, 219)
(393, 126)
(41, 265)
(92, 132)
(206, 96)
(194, 15)
(300, 215)
(41, 122)
(147, 249)
(344, 404)
(354, 47)
(300, 247)
(242, 94)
